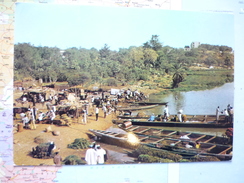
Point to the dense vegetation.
(80, 66)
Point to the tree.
(178, 76)
(150, 56)
(105, 51)
(153, 43)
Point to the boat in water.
(193, 121)
(186, 144)
(136, 107)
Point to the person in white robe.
(100, 155)
(91, 156)
(179, 114)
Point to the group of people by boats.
(95, 154)
(95, 104)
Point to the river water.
(196, 102)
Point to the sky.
(66, 26)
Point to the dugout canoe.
(189, 117)
(184, 147)
(135, 108)
(196, 122)
(151, 103)
(118, 139)
(174, 134)
(177, 142)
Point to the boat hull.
(136, 108)
(177, 124)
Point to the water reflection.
(197, 102)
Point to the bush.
(203, 158)
(73, 160)
(152, 159)
(79, 143)
(155, 152)
(111, 82)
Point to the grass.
(202, 79)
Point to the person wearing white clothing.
(100, 154)
(84, 117)
(166, 113)
(104, 111)
(226, 116)
(97, 113)
(91, 156)
(180, 115)
(217, 113)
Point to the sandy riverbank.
(24, 141)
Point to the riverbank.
(194, 80)
(25, 140)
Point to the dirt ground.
(24, 141)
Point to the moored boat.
(135, 108)
(182, 146)
(163, 133)
(127, 140)
(194, 121)
(151, 103)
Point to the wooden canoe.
(189, 117)
(200, 121)
(135, 108)
(151, 103)
(114, 138)
(178, 146)
(163, 133)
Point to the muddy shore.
(24, 140)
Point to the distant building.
(187, 48)
(195, 44)
(62, 53)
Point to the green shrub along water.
(202, 80)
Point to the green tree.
(105, 51)
(154, 43)
(178, 75)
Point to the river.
(196, 102)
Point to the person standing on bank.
(97, 112)
(91, 155)
(104, 111)
(101, 153)
(84, 117)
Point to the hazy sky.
(66, 26)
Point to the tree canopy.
(82, 66)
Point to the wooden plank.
(224, 151)
(178, 142)
(171, 133)
(132, 128)
(209, 149)
(144, 138)
(144, 130)
(210, 139)
(158, 141)
(200, 137)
